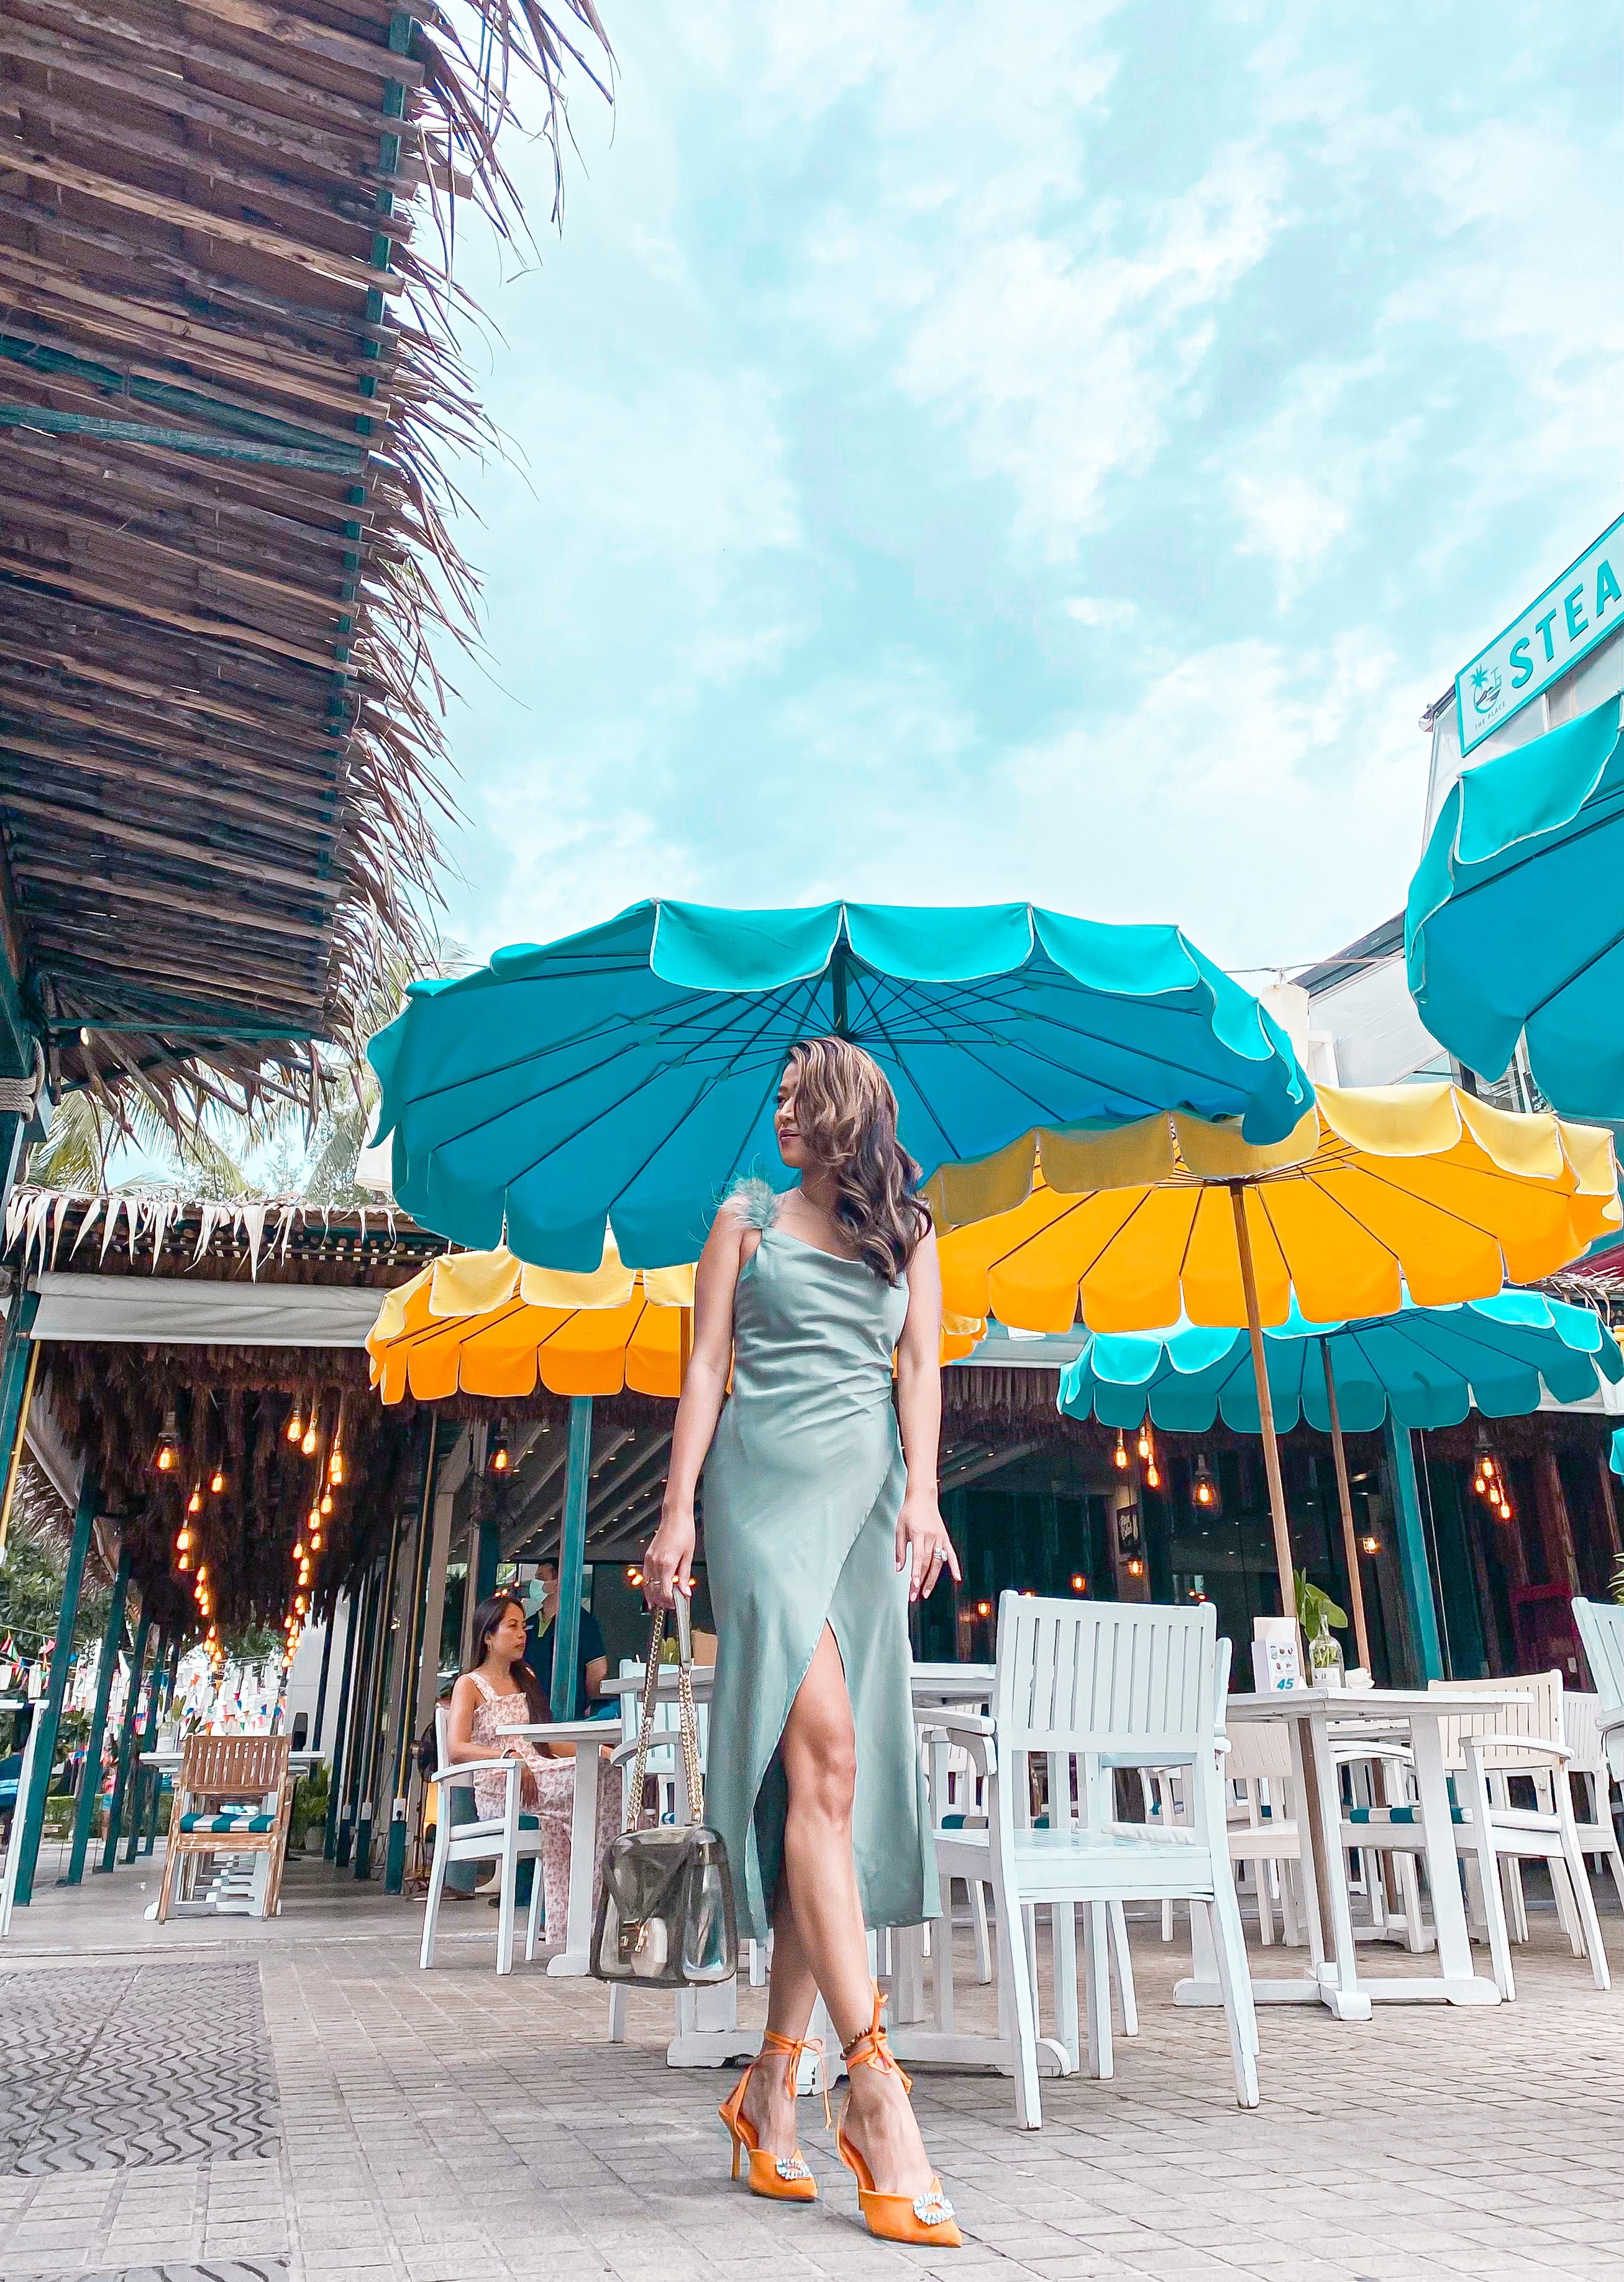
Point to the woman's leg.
(830, 1946)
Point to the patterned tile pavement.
(448, 2127)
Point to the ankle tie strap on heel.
(925, 2218)
(795, 2049)
(870, 2049)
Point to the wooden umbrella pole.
(1265, 1407)
(1344, 1498)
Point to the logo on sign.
(1486, 688)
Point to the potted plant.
(1317, 1613)
(309, 1811)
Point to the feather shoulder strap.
(753, 1200)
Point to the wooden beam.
(211, 629)
(177, 213)
(126, 891)
(178, 852)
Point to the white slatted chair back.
(1106, 1677)
(1540, 1717)
(1601, 1628)
(665, 1766)
(1581, 1732)
(1259, 1748)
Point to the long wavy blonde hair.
(847, 1115)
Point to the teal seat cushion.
(1381, 1814)
(229, 1826)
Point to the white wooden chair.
(501, 1839)
(1597, 1834)
(1262, 1822)
(233, 1796)
(963, 1839)
(1100, 1687)
(13, 1849)
(1481, 1751)
(1601, 1629)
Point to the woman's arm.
(460, 1742)
(922, 1543)
(671, 1554)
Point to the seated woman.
(500, 1690)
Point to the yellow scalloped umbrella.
(483, 1322)
(1381, 1187)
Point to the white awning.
(179, 1311)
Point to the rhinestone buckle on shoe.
(791, 2166)
(933, 2208)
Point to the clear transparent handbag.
(665, 1917)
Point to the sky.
(1049, 452)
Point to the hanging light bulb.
(1204, 1487)
(296, 1423)
(1120, 1456)
(315, 1541)
(217, 1480)
(334, 1466)
(168, 1455)
(185, 1562)
(194, 1504)
(1153, 1474)
(498, 1460)
(1144, 1437)
(326, 1506)
(298, 1603)
(299, 1550)
(183, 1538)
(308, 1445)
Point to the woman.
(500, 1690)
(820, 1527)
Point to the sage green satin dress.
(801, 1492)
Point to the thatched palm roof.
(227, 387)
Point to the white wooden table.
(1318, 1719)
(588, 1738)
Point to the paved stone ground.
(446, 2127)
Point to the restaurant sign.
(1577, 611)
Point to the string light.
(1206, 1489)
(499, 1461)
(335, 1465)
(194, 1504)
(168, 1455)
(1144, 1437)
(327, 1502)
(299, 1550)
(983, 1608)
(1120, 1456)
(217, 1480)
(296, 1423)
(308, 1445)
(1370, 1545)
(1146, 1451)
(1080, 1584)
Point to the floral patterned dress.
(547, 1788)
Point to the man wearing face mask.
(592, 1656)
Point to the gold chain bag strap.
(665, 1917)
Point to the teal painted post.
(572, 1557)
(487, 1554)
(49, 1712)
(127, 1736)
(335, 1772)
(144, 1776)
(1412, 1550)
(377, 1709)
(155, 1787)
(355, 1764)
(16, 1358)
(90, 1780)
(394, 1864)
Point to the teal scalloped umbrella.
(1429, 1366)
(629, 1072)
(1515, 920)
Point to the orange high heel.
(927, 2218)
(781, 2178)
